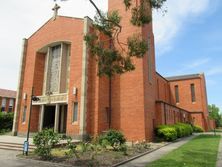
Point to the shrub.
(180, 130)
(113, 138)
(71, 147)
(44, 142)
(166, 132)
(6, 121)
(197, 129)
(172, 132)
(186, 129)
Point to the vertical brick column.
(19, 88)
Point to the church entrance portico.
(53, 116)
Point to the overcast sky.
(188, 38)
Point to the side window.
(193, 95)
(149, 60)
(24, 114)
(177, 93)
(3, 106)
(75, 112)
(11, 104)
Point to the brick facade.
(141, 99)
(7, 96)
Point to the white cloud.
(167, 27)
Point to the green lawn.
(199, 152)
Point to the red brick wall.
(185, 94)
(34, 124)
(198, 119)
(134, 97)
(39, 74)
(185, 102)
(163, 89)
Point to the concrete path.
(9, 159)
(20, 140)
(146, 159)
(14, 139)
(219, 156)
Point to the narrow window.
(11, 104)
(24, 114)
(75, 112)
(149, 60)
(177, 94)
(3, 107)
(193, 96)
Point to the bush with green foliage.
(45, 141)
(172, 132)
(166, 132)
(186, 129)
(113, 138)
(197, 129)
(6, 121)
(72, 148)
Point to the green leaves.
(112, 55)
(127, 3)
(107, 22)
(214, 113)
(44, 142)
(140, 15)
(157, 4)
(136, 46)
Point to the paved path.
(219, 156)
(146, 159)
(9, 159)
(14, 139)
(20, 140)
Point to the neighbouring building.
(74, 100)
(7, 100)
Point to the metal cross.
(55, 9)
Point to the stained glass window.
(54, 68)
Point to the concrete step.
(14, 146)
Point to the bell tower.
(133, 111)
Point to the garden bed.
(104, 157)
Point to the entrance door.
(49, 117)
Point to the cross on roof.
(55, 9)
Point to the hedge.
(172, 132)
(197, 129)
(6, 121)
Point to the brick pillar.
(83, 101)
(19, 88)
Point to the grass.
(199, 152)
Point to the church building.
(58, 69)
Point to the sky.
(188, 37)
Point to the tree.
(112, 55)
(214, 113)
